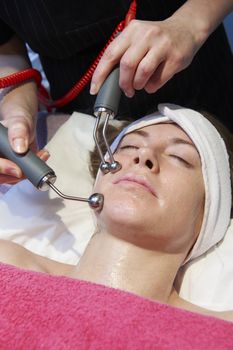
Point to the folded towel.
(39, 311)
(43, 222)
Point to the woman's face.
(157, 198)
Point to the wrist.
(197, 26)
(201, 17)
(20, 101)
(10, 64)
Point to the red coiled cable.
(44, 98)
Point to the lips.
(137, 179)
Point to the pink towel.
(38, 311)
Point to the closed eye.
(128, 147)
(182, 160)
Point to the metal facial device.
(39, 173)
(105, 108)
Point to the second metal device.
(39, 173)
(106, 107)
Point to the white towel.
(215, 169)
(43, 222)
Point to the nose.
(146, 157)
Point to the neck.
(119, 264)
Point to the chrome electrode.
(105, 108)
(39, 173)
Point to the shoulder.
(14, 254)
(11, 253)
(176, 301)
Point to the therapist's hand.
(18, 109)
(11, 173)
(150, 53)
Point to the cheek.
(184, 196)
(120, 213)
(99, 182)
(123, 201)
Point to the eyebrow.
(178, 140)
(173, 141)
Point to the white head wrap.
(215, 169)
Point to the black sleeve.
(5, 32)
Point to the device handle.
(109, 94)
(32, 166)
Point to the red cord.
(131, 14)
(44, 98)
(19, 77)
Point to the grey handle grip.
(32, 166)
(109, 94)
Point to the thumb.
(19, 134)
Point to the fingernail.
(129, 94)
(13, 172)
(19, 145)
(44, 155)
(93, 89)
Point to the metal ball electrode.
(96, 201)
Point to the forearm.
(203, 15)
(19, 102)
(13, 57)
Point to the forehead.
(162, 131)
